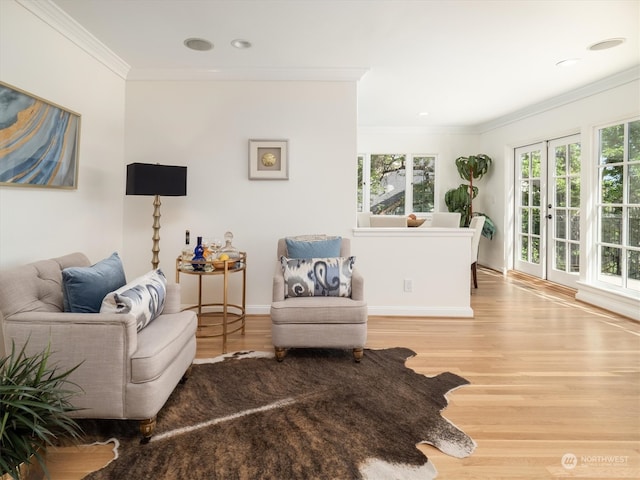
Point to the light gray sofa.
(310, 322)
(125, 374)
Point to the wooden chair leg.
(147, 428)
(474, 271)
(357, 354)
(280, 353)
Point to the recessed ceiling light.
(241, 44)
(609, 43)
(199, 44)
(423, 114)
(569, 62)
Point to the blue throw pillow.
(85, 287)
(326, 248)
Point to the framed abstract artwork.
(268, 160)
(38, 141)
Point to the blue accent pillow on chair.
(322, 248)
(85, 287)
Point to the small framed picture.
(268, 160)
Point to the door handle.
(549, 216)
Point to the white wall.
(38, 223)
(448, 145)
(206, 126)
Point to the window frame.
(363, 203)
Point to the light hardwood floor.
(550, 377)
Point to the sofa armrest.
(357, 285)
(278, 284)
(61, 329)
(173, 299)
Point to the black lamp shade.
(150, 179)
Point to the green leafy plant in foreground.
(34, 408)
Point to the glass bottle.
(187, 250)
(228, 248)
(198, 256)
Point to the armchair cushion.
(143, 297)
(85, 287)
(317, 277)
(313, 248)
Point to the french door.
(547, 210)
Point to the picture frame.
(268, 160)
(40, 141)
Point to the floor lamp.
(157, 180)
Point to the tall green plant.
(460, 199)
(34, 408)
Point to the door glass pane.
(574, 225)
(535, 193)
(561, 161)
(524, 248)
(524, 193)
(575, 258)
(561, 192)
(535, 221)
(561, 253)
(634, 141)
(561, 224)
(634, 183)
(360, 184)
(612, 183)
(634, 227)
(535, 164)
(524, 165)
(535, 250)
(525, 220)
(611, 225)
(423, 184)
(574, 158)
(575, 192)
(612, 144)
(388, 180)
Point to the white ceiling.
(465, 62)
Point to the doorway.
(547, 210)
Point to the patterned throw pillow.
(317, 277)
(144, 297)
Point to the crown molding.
(52, 15)
(250, 74)
(599, 86)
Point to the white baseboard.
(612, 301)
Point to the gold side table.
(231, 317)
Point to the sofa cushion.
(143, 297)
(316, 277)
(310, 247)
(161, 343)
(85, 287)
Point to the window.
(618, 241)
(396, 184)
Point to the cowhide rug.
(316, 415)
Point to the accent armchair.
(124, 373)
(317, 321)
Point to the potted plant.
(34, 410)
(460, 199)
